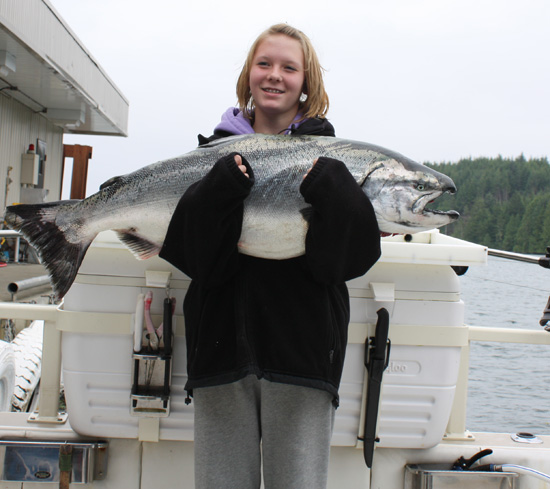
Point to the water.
(508, 382)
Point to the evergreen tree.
(504, 203)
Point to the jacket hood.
(234, 122)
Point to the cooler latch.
(384, 295)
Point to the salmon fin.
(61, 258)
(141, 247)
(110, 182)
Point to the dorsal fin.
(109, 182)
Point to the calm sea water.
(509, 388)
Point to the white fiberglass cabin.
(127, 424)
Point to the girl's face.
(277, 76)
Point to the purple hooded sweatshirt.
(234, 122)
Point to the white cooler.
(413, 281)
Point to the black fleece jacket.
(282, 320)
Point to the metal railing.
(456, 428)
(51, 366)
(48, 403)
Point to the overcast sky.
(436, 80)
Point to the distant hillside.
(503, 203)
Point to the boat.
(110, 410)
(126, 422)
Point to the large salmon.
(138, 206)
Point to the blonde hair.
(317, 102)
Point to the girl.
(266, 338)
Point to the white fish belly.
(275, 239)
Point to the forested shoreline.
(504, 203)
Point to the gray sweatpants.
(292, 423)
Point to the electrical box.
(30, 165)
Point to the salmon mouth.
(420, 207)
(453, 215)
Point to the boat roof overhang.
(44, 66)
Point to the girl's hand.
(307, 173)
(239, 162)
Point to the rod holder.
(151, 374)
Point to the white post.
(456, 428)
(48, 405)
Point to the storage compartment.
(41, 461)
(413, 280)
(438, 476)
(426, 331)
(97, 372)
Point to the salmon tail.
(61, 257)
